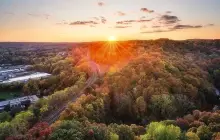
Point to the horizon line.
(105, 40)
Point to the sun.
(112, 38)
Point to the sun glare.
(111, 38)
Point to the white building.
(18, 101)
(25, 78)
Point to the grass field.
(4, 95)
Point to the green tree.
(160, 131)
(114, 136)
(123, 131)
(22, 121)
(192, 136)
(5, 116)
(163, 106)
(100, 132)
(68, 130)
(6, 129)
(124, 108)
(184, 105)
(141, 105)
(204, 132)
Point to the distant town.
(10, 74)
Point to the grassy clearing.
(5, 95)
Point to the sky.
(96, 20)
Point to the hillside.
(154, 90)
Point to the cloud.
(33, 15)
(84, 23)
(174, 28)
(101, 4)
(156, 26)
(120, 13)
(167, 19)
(144, 20)
(126, 22)
(168, 12)
(123, 23)
(121, 27)
(180, 26)
(95, 18)
(91, 23)
(211, 24)
(103, 20)
(147, 10)
(156, 31)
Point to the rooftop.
(27, 77)
(32, 98)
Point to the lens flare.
(112, 38)
(106, 56)
(109, 53)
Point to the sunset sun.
(112, 38)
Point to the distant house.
(62, 54)
(18, 102)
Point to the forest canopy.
(166, 91)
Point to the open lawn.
(5, 95)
